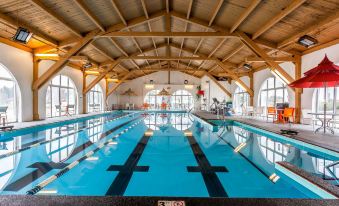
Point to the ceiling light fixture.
(22, 35)
(307, 41)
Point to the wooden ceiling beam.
(313, 27)
(116, 86)
(213, 51)
(57, 66)
(245, 14)
(260, 53)
(286, 11)
(89, 14)
(168, 58)
(218, 84)
(228, 56)
(100, 77)
(53, 15)
(16, 45)
(215, 12)
(276, 59)
(170, 34)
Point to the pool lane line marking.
(34, 175)
(208, 172)
(49, 180)
(60, 137)
(121, 181)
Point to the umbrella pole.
(325, 108)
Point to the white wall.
(160, 81)
(20, 64)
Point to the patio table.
(327, 117)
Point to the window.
(272, 91)
(95, 99)
(332, 100)
(240, 99)
(152, 99)
(9, 94)
(182, 99)
(61, 97)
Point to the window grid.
(269, 89)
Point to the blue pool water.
(158, 154)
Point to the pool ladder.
(327, 167)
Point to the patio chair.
(258, 112)
(3, 113)
(308, 118)
(288, 115)
(271, 111)
(335, 122)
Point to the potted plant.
(200, 92)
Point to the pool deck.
(327, 141)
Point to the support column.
(250, 75)
(35, 91)
(84, 95)
(298, 92)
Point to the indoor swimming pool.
(157, 154)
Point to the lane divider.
(49, 180)
(57, 138)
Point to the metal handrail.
(327, 167)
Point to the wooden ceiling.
(191, 36)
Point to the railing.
(328, 168)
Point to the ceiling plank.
(169, 58)
(57, 66)
(228, 56)
(53, 15)
(290, 8)
(245, 14)
(89, 14)
(276, 59)
(309, 29)
(215, 12)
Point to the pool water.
(155, 154)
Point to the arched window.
(95, 99)
(152, 99)
(332, 100)
(240, 98)
(61, 97)
(182, 99)
(9, 95)
(272, 91)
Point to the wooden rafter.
(213, 51)
(116, 86)
(228, 56)
(218, 84)
(57, 66)
(260, 53)
(290, 8)
(276, 59)
(100, 77)
(244, 15)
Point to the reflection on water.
(274, 151)
(161, 121)
(94, 129)
(60, 148)
(7, 164)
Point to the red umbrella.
(326, 74)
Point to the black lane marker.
(44, 168)
(41, 169)
(121, 181)
(212, 182)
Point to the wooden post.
(298, 92)
(35, 91)
(84, 95)
(250, 75)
